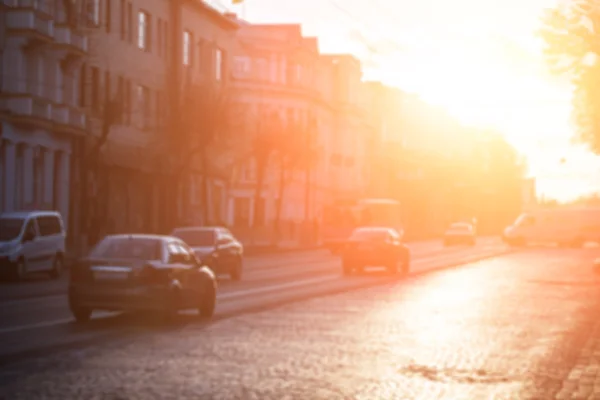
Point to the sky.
(480, 59)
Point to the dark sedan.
(373, 246)
(216, 247)
(141, 272)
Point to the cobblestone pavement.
(508, 328)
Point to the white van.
(31, 241)
(562, 226)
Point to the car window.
(196, 237)
(49, 225)
(370, 234)
(179, 253)
(30, 228)
(224, 239)
(128, 248)
(394, 234)
(10, 228)
(187, 255)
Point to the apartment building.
(317, 102)
(274, 81)
(139, 50)
(350, 156)
(42, 44)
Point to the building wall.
(39, 111)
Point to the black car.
(216, 247)
(373, 246)
(141, 272)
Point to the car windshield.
(369, 234)
(133, 248)
(196, 237)
(460, 227)
(10, 228)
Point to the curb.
(26, 355)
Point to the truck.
(568, 226)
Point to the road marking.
(273, 288)
(459, 258)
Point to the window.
(130, 22)
(241, 66)
(49, 225)
(144, 31)
(127, 105)
(143, 101)
(187, 44)
(159, 109)
(262, 66)
(159, 37)
(56, 180)
(120, 95)
(107, 87)
(219, 64)
(166, 39)
(95, 89)
(108, 15)
(123, 18)
(82, 86)
(38, 177)
(93, 12)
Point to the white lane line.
(272, 288)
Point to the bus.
(342, 217)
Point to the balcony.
(27, 106)
(72, 42)
(65, 115)
(30, 22)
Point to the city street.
(508, 327)
(31, 325)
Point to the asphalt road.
(33, 326)
(507, 327)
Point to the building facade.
(42, 46)
(317, 101)
(131, 84)
(274, 79)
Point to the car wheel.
(236, 271)
(208, 301)
(406, 264)
(170, 308)
(57, 267)
(19, 270)
(347, 268)
(393, 267)
(80, 313)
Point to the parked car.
(141, 272)
(460, 233)
(216, 247)
(375, 246)
(31, 241)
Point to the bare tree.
(290, 156)
(264, 145)
(207, 121)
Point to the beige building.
(316, 100)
